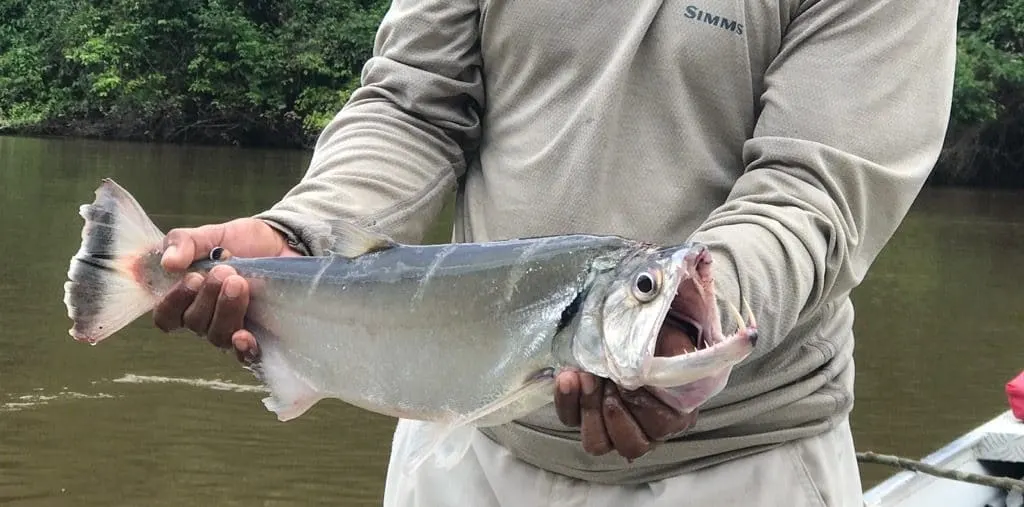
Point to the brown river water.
(151, 419)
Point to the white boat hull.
(995, 448)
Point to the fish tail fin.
(108, 286)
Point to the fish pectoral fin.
(349, 240)
(448, 442)
(491, 414)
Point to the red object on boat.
(1015, 394)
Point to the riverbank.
(950, 171)
(286, 133)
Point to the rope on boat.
(956, 475)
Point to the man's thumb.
(182, 247)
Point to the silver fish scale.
(477, 319)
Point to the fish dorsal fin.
(349, 240)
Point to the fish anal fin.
(290, 394)
(349, 240)
(447, 442)
(291, 409)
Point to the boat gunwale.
(904, 484)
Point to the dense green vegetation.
(264, 72)
(985, 145)
(273, 72)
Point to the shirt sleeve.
(390, 156)
(852, 120)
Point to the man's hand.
(629, 422)
(214, 306)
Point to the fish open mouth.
(705, 362)
(691, 311)
(687, 325)
(685, 377)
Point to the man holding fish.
(790, 137)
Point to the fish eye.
(645, 286)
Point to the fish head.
(639, 295)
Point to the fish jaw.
(687, 381)
(686, 368)
(686, 398)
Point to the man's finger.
(592, 431)
(624, 432)
(167, 316)
(567, 398)
(246, 349)
(182, 246)
(229, 314)
(179, 250)
(198, 316)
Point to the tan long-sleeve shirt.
(791, 136)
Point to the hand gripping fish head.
(617, 330)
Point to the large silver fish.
(457, 335)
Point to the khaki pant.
(819, 471)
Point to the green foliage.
(274, 72)
(267, 72)
(986, 130)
